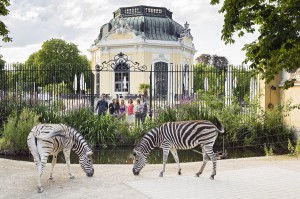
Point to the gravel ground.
(18, 179)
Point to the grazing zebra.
(179, 135)
(50, 139)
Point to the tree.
(219, 62)
(3, 29)
(2, 62)
(278, 44)
(144, 89)
(57, 61)
(204, 59)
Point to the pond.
(122, 156)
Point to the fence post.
(150, 108)
(92, 82)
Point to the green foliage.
(268, 152)
(278, 44)
(144, 88)
(47, 115)
(8, 105)
(4, 12)
(167, 114)
(293, 150)
(192, 111)
(244, 126)
(16, 130)
(54, 61)
(216, 80)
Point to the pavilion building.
(147, 35)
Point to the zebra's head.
(139, 161)
(86, 163)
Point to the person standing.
(130, 111)
(117, 111)
(112, 108)
(138, 110)
(123, 110)
(102, 106)
(145, 109)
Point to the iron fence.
(169, 86)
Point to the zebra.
(179, 135)
(50, 139)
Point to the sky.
(32, 22)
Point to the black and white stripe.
(179, 135)
(50, 139)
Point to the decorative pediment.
(122, 27)
(161, 57)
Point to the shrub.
(268, 152)
(294, 150)
(17, 128)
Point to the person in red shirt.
(130, 111)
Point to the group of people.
(135, 112)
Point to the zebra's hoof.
(72, 177)
(212, 177)
(179, 172)
(197, 175)
(40, 189)
(50, 178)
(161, 175)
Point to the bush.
(293, 150)
(16, 130)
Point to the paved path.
(266, 177)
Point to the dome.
(152, 23)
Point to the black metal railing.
(169, 86)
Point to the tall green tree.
(278, 44)
(3, 29)
(57, 61)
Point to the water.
(122, 156)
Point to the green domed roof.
(153, 23)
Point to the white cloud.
(31, 22)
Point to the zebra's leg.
(205, 159)
(175, 155)
(41, 166)
(212, 157)
(165, 158)
(67, 158)
(54, 159)
(37, 162)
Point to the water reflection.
(122, 156)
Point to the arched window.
(161, 79)
(122, 77)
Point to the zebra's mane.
(78, 140)
(147, 143)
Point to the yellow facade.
(138, 50)
(281, 96)
(293, 95)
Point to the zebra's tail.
(219, 125)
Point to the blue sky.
(31, 22)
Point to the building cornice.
(148, 43)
